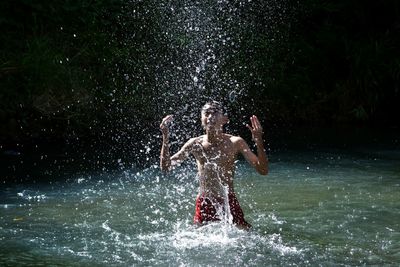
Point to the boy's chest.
(217, 153)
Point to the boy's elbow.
(164, 168)
(165, 164)
(263, 171)
(262, 167)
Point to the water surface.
(327, 207)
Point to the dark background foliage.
(95, 77)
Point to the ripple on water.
(143, 218)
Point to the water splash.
(148, 221)
(32, 195)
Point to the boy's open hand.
(165, 122)
(255, 128)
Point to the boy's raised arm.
(259, 161)
(165, 159)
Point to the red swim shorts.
(206, 211)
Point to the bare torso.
(216, 164)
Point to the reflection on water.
(327, 208)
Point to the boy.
(215, 154)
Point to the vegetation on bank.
(89, 71)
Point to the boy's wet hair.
(215, 105)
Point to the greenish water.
(325, 207)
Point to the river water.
(316, 207)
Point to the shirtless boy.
(215, 154)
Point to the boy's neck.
(213, 136)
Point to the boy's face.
(212, 117)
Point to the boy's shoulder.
(234, 138)
(236, 141)
(195, 139)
